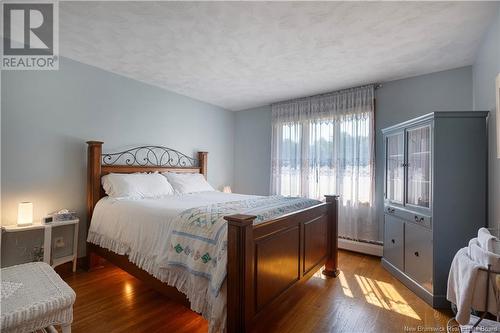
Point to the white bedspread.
(142, 229)
(144, 225)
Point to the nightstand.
(64, 242)
(58, 240)
(22, 244)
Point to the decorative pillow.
(188, 182)
(136, 185)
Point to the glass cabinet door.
(419, 166)
(395, 167)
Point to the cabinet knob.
(419, 219)
(416, 254)
(393, 241)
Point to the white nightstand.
(64, 242)
(60, 241)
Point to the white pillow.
(136, 185)
(188, 182)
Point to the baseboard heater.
(361, 246)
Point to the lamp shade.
(227, 189)
(25, 213)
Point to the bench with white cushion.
(34, 297)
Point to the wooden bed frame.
(265, 261)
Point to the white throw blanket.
(467, 284)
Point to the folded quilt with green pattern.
(199, 238)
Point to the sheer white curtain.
(324, 145)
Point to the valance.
(354, 102)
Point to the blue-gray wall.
(397, 101)
(48, 115)
(252, 153)
(405, 99)
(485, 70)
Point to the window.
(326, 157)
(324, 145)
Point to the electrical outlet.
(58, 242)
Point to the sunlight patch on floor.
(375, 292)
(128, 291)
(319, 274)
(384, 295)
(345, 286)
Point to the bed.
(264, 255)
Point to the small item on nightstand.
(62, 215)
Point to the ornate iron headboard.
(150, 156)
(138, 159)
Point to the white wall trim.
(367, 248)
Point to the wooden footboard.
(267, 260)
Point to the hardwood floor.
(364, 298)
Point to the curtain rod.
(375, 87)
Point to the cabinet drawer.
(63, 241)
(408, 215)
(419, 219)
(394, 241)
(418, 254)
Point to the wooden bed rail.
(267, 260)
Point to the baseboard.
(361, 247)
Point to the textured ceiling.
(240, 55)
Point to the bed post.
(203, 161)
(240, 272)
(94, 152)
(331, 266)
